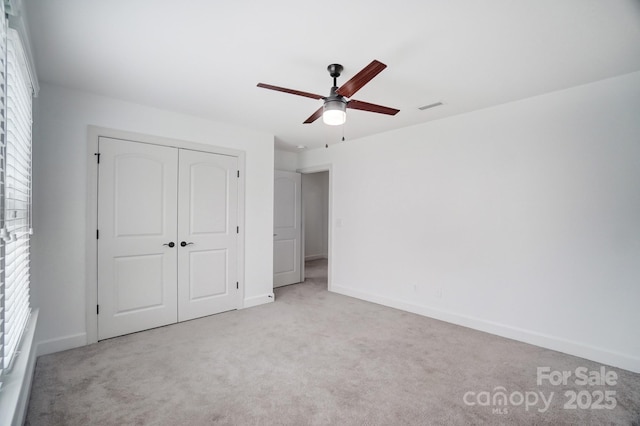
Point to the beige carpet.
(319, 358)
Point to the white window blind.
(3, 146)
(16, 231)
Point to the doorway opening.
(316, 226)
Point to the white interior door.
(137, 268)
(207, 230)
(287, 228)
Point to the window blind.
(3, 109)
(16, 231)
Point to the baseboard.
(259, 300)
(59, 344)
(315, 257)
(16, 383)
(600, 355)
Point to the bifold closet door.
(137, 247)
(208, 234)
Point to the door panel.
(287, 228)
(137, 194)
(138, 283)
(209, 191)
(285, 256)
(208, 273)
(136, 175)
(207, 212)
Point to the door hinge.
(97, 309)
(238, 173)
(97, 154)
(237, 229)
(237, 285)
(97, 234)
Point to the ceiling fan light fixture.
(334, 112)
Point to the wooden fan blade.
(293, 92)
(366, 106)
(359, 80)
(314, 116)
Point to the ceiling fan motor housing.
(334, 111)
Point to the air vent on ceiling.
(430, 106)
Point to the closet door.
(207, 233)
(137, 215)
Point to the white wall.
(285, 160)
(60, 199)
(522, 220)
(315, 192)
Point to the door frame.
(317, 169)
(91, 262)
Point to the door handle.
(171, 244)
(184, 244)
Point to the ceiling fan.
(333, 110)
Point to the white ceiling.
(205, 57)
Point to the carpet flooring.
(319, 358)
